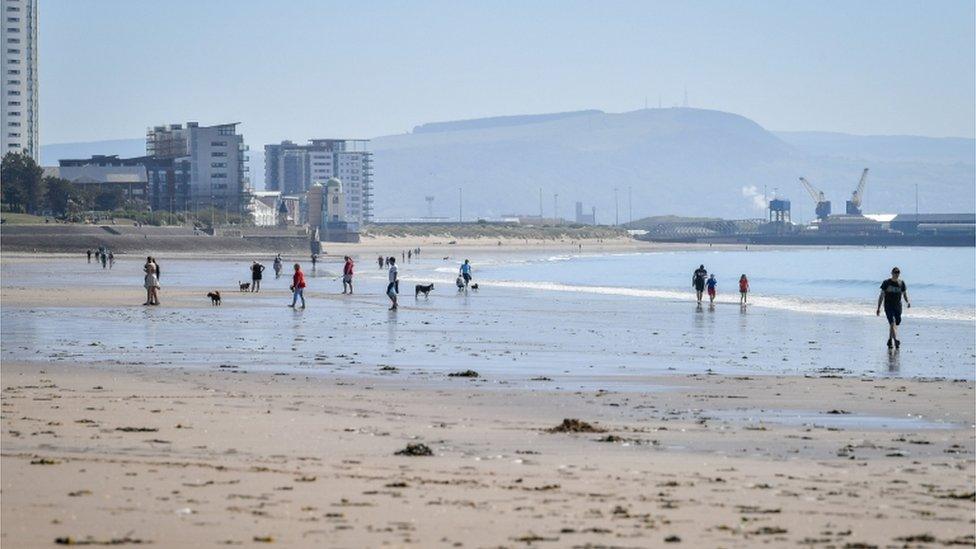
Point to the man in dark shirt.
(893, 291)
(698, 281)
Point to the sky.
(301, 69)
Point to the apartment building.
(19, 83)
(292, 169)
(207, 166)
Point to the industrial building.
(292, 169)
(583, 218)
(19, 84)
(199, 167)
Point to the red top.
(298, 280)
(347, 270)
(744, 285)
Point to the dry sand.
(180, 458)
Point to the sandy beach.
(251, 423)
(180, 457)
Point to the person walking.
(893, 290)
(743, 289)
(111, 259)
(104, 259)
(379, 262)
(256, 275)
(151, 283)
(297, 286)
(347, 275)
(465, 272)
(277, 266)
(393, 287)
(712, 283)
(315, 259)
(698, 281)
(89, 255)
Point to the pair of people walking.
(151, 281)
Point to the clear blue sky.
(300, 69)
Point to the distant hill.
(687, 162)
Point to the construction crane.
(854, 204)
(823, 205)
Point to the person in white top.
(391, 289)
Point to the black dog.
(474, 286)
(245, 286)
(422, 289)
(214, 298)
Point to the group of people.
(702, 280)
(151, 281)
(893, 292)
(103, 256)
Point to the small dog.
(459, 282)
(422, 289)
(214, 298)
(245, 286)
(474, 286)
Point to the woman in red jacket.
(347, 275)
(298, 286)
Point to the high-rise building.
(293, 169)
(19, 84)
(208, 166)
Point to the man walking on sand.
(392, 287)
(465, 273)
(698, 281)
(256, 275)
(89, 255)
(893, 290)
(297, 286)
(347, 275)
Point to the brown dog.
(214, 298)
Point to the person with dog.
(465, 272)
(893, 290)
(297, 286)
(347, 269)
(392, 289)
(256, 270)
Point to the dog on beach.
(214, 298)
(422, 289)
(474, 286)
(245, 286)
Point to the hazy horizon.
(309, 69)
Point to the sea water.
(941, 281)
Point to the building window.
(13, 82)
(13, 71)
(14, 124)
(225, 130)
(13, 40)
(13, 50)
(13, 19)
(14, 61)
(218, 164)
(13, 135)
(13, 29)
(13, 103)
(218, 143)
(218, 154)
(13, 113)
(13, 92)
(218, 175)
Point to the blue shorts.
(893, 314)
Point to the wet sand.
(188, 425)
(182, 457)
